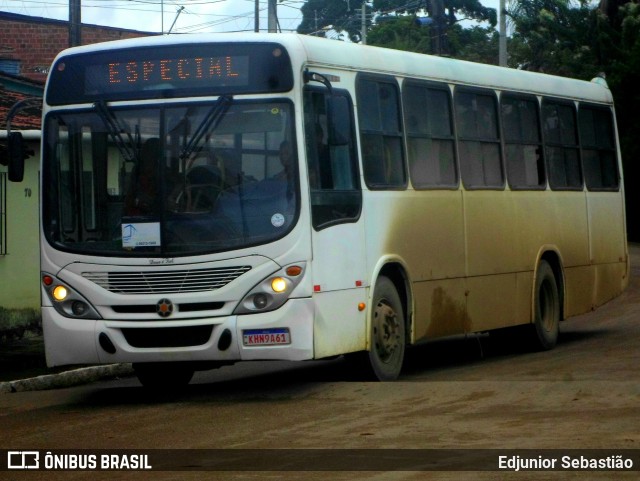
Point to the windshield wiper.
(117, 131)
(208, 124)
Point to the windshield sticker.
(141, 234)
(277, 220)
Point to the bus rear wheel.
(547, 315)
(387, 338)
(163, 376)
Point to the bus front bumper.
(283, 334)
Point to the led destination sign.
(160, 73)
(170, 71)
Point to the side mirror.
(17, 155)
(339, 120)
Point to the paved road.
(468, 393)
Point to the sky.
(198, 16)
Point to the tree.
(623, 76)
(448, 10)
(477, 44)
(340, 15)
(346, 14)
(551, 36)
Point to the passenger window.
(523, 144)
(333, 169)
(430, 141)
(478, 139)
(561, 145)
(598, 148)
(381, 133)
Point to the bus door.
(339, 264)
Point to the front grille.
(166, 282)
(153, 308)
(168, 336)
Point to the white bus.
(224, 198)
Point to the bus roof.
(333, 54)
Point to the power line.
(193, 9)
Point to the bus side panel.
(556, 219)
(505, 233)
(491, 301)
(441, 307)
(611, 279)
(579, 282)
(338, 326)
(606, 226)
(491, 237)
(608, 244)
(425, 230)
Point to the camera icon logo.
(23, 460)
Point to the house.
(28, 46)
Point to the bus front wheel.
(387, 337)
(547, 308)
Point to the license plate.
(266, 337)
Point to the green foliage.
(550, 37)
(342, 15)
(621, 62)
(318, 15)
(475, 44)
(401, 34)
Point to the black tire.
(387, 338)
(547, 313)
(163, 376)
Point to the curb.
(67, 379)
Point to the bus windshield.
(170, 180)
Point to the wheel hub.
(386, 331)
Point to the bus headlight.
(66, 300)
(278, 284)
(273, 291)
(59, 293)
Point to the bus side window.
(561, 145)
(429, 130)
(478, 139)
(598, 148)
(381, 132)
(523, 144)
(332, 169)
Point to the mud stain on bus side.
(448, 316)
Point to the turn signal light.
(294, 271)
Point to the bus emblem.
(164, 308)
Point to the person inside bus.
(320, 174)
(286, 174)
(141, 198)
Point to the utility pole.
(273, 16)
(75, 23)
(437, 12)
(502, 43)
(363, 24)
(256, 17)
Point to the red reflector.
(47, 280)
(317, 288)
(358, 283)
